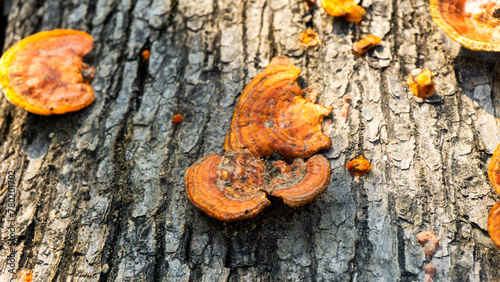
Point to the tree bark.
(99, 193)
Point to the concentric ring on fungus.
(273, 116)
(44, 72)
(473, 23)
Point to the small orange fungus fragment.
(429, 271)
(494, 169)
(25, 275)
(344, 112)
(473, 23)
(273, 116)
(494, 224)
(365, 44)
(430, 241)
(359, 166)
(344, 8)
(177, 119)
(309, 39)
(421, 83)
(44, 72)
(145, 55)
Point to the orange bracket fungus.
(44, 72)
(430, 241)
(473, 23)
(494, 224)
(228, 187)
(494, 169)
(365, 44)
(344, 8)
(421, 83)
(272, 115)
(359, 166)
(300, 182)
(309, 39)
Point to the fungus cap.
(229, 187)
(473, 23)
(273, 116)
(494, 224)
(301, 182)
(44, 72)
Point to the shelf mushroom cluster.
(272, 115)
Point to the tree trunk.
(99, 193)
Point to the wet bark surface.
(99, 193)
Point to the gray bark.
(99, 193)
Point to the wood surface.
(99, 193)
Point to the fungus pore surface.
(473, 23)
(271, 116)
(44, 73)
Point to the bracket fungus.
(494, 169)
(300, 182)
(228, 187)
(421, 83)
(271, 116)
(494, 224)
(364, 45)
(44, 73)
(344, 8)
(473, 23)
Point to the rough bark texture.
(99, 193)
